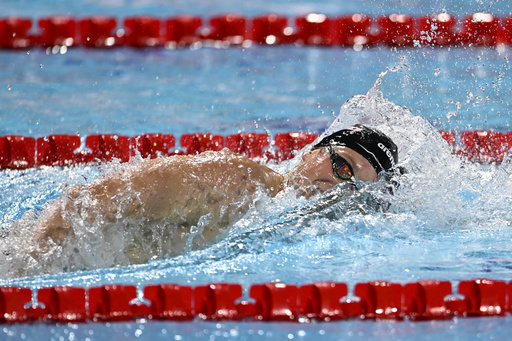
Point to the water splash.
(441, 200)
(440, 186)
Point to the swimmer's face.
(319, 171)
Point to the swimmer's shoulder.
(271, 179)
(222, 158)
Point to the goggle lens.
(340, 167)
(344, 173)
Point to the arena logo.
(388, 153)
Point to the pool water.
(450, 220)
(279, 89)
(463, 329)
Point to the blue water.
(459, 330)
(447, 222)
(279, 89)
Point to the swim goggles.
(340, 167)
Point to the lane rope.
(58, 33)
(319, 301)
(21, 152)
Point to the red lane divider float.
(322, 301)
(358, 30)
(98, 31)
(19, 152)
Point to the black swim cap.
(373, 145)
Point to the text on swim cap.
(387, 152)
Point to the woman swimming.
(212, 189)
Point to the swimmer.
(213, 187)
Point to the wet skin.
(182, 189)
(314, 174)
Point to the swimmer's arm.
(160, 188)
(54, 223)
